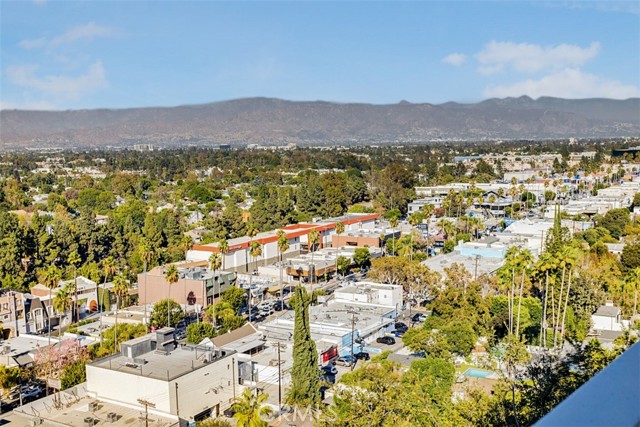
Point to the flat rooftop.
(75, 408)
(174, 364)
(332, 322)
(485, 265)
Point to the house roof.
(607, 311)
(237, 334)
(292, 231)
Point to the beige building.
(185, 382)
(196, 287)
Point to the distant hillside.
(266, 120)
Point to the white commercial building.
(183, 382)
(239, 259)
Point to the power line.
(146, 405)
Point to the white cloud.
(87, 32)
(455, 59)
(567, 83)
(65, 86)
(530, 58)
(623, 6)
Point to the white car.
(265, 307)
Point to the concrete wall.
(127, 388)
(196, 392)
(154, 288)
(338, 241)
(605, 323)
(204, 388)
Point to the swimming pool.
(478, 373)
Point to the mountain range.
(276, 121)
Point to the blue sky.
(116, 54)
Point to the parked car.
(31, 392)
(229, 412)
(265, 308)
(264, 305)
(398, 333)
(419, 317)
(363, 355)
(386, 340)
(400, 326)
(14, 394)
(345, 360)
(279, 305)
(329, 370)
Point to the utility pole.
(15, 312)
(279, 346)
(234, 379)
(146, 405)
(177, 405)
(353, 327)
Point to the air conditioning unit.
(89, 421)
(93, 406)
(112, 417)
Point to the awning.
(23, 359)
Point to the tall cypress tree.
(305, 387)
(558, 236)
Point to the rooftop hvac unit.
(93, 406)
(89, 422)
(6, 349)
(36, 421)
(112, 417)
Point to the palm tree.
(121, 289)
(62, 303)
(250, 410)
(146, 253)
(108, 268)
(314, 238)
(223, 248)
(215, 261)
(414, 219)
(252, 232)
(393, 222)
(524, 260)
(74, 260)
(566, 260)
(546, 263)
(171, 275)
(427, 210)
(340, 227)
(50, 277)
(283, 246)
